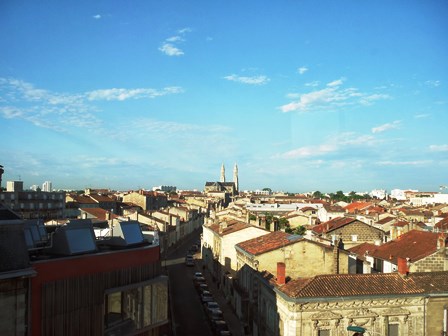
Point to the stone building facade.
(383, 304)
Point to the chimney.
(336, 256)
(403, 267)
(441, 241)
(281, 272)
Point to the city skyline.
(301, 95)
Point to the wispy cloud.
(302, 70)
(313, 83)
(170, 45)
(331, 97)
(333, 144)
(404, 163)
(124, 94)
(433, 83)
(61, 111)
(170, 50)
(253, 80)
(438, 148)
(385, 127)
(97, 16)
(421, 116)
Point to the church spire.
(235, 176)
(223, 174)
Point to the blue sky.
(302, 95)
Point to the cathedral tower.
(235, 176)
(223, 174)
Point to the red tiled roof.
(101, 198)
(229, 227)
(414, 244)
(356, 206)
(400, 223)
(442, 225)
(385, 220)
(99, 213)
(269, 242)
(374, 284)
(333, 224)
(81, 199)
(361, 249)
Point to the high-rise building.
(46, 186)
(1, 173)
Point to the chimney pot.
(281, 273)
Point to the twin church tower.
(235, 175)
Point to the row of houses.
(343, 272)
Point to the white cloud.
(174, 39)
(254, 80)
(185, 30)
(333, 144)
(124, 94)
(313, 84)
(309, 151)
(62, 111)
(169, 46)
(170, 50)
(302, 70)
(385, 127)
(330, 98)
(337, 82)
(421, 116)
(433, 83)
(97, 16)
(438, 148)
(404, 163)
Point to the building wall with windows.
(107, 293)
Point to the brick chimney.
(281, 273)
(403, 267)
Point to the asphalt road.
(188, 318)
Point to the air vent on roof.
(77, 237)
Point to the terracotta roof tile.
(442, 225)
(99, 213)
(385, 220)
(269, 242)
(229, 227)
(357, 206)
(414, 244)
(333, 224)
(340, 285)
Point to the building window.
(392, 330)
(323, 333)
(354, 238)
(136, 309)
(378, 265)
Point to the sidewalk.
(229, 315)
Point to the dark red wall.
(67, 267)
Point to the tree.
(317, 194)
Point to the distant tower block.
(223, 174)
(235, 176)
(1, 173)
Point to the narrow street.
(188, 317)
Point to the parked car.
(219, 327)
(202, 288)
(216, 315)
(206, 296)
(197, 275)
(210, 305)
(198, 281)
